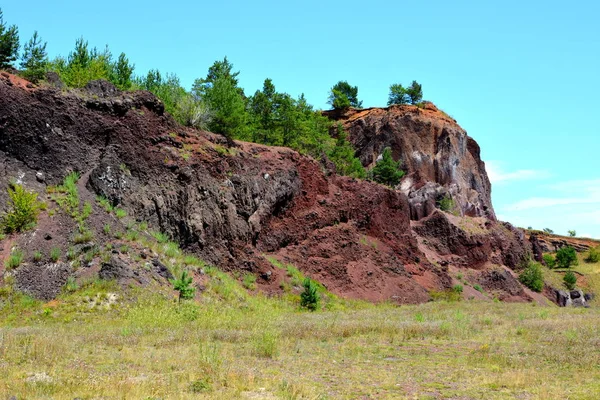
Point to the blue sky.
(522, 79)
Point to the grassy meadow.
(99, 342)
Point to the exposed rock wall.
(438, 155)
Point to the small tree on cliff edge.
(9, 43)
(343, 96)
(401, 95)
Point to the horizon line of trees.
(215, 102)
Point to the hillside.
(240, 207)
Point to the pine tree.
(344, 158)
(34, 59)
(415, 93)
(343, 95)
(221, 93)
(183, 286)
(122, 72)
(309, 298)
(397, 95)
(388, 171)
(9, 43)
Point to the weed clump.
(24, 209)
(15, 259)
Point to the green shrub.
(549, 260)
(24, 208)
(532, 277)
(457, 288)
(446, 203)
(387, 171)
(70, 200)
(309, 298)
(570, 280)
(566, 256)
(183, 286)
(85, 236)
(593, 256)
(105, 203)
(120, 213)
(15, 259)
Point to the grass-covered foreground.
(233, 345)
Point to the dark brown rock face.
(439, 157)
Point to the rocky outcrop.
(549, 243)
(439, 157)
(573, 298)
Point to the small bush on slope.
(309, 298)
(566, 256)
(570, 280)
(24, 209)
(532, 277)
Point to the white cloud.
(565, 205)
(498, 175)
(580, 192)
